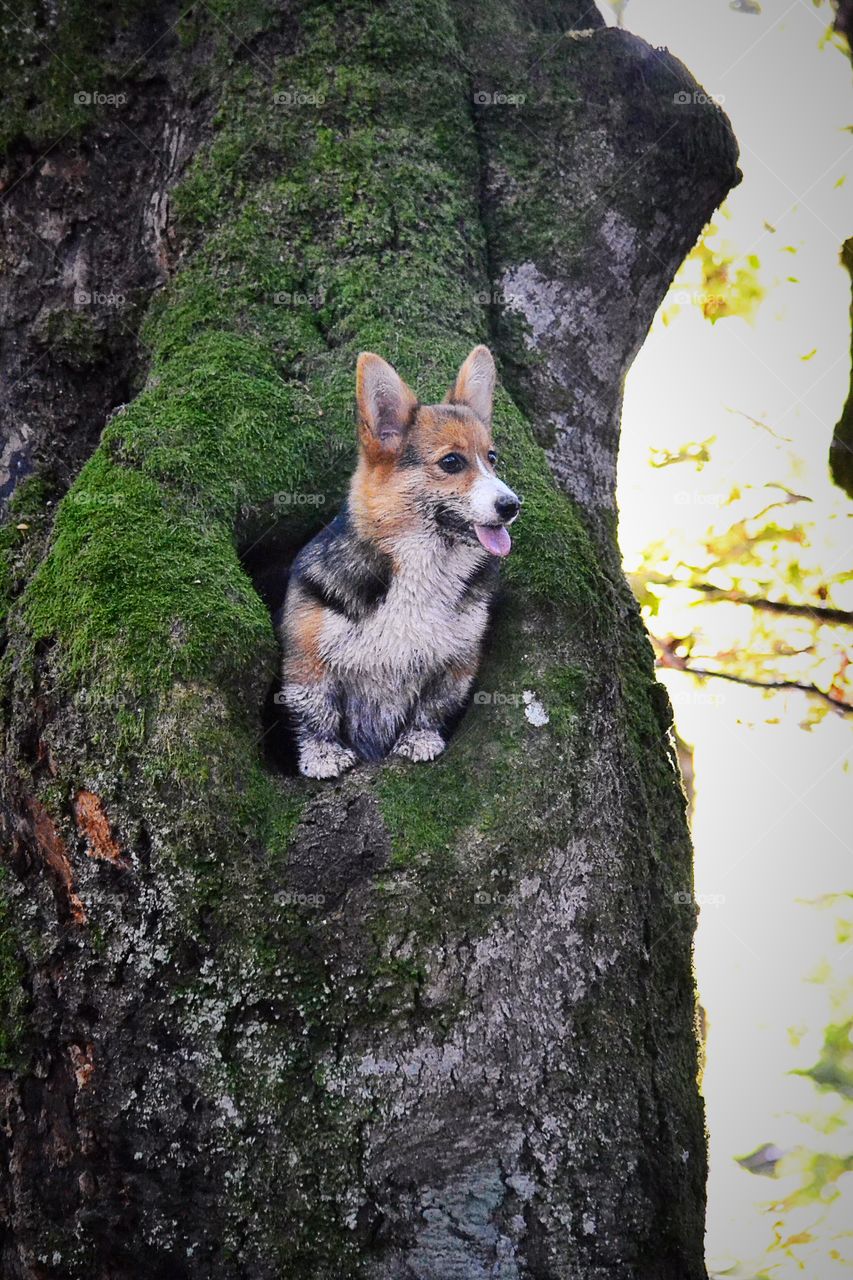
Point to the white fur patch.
(318, 759)
(418, 627)
(419, 745)
(417, 630)
(485, 492)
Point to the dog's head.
(430, 467)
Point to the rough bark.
(429, 1021)
(843, 21)
(85, 234)
(841, 448)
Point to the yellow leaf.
(801, 1237)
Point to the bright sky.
(772, 823)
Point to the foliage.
(754, 586)
(809, 1225)
(717, 279)
(753, 597)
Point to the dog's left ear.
(475, 384)
(385, 405)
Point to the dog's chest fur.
(427, 620)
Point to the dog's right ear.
(475, 384)
(385, 406)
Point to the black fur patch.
(450, 521)
(369, 729)
(343, 572)
(481, 582)
(325, 594)
(410, 457)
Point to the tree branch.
(821, 613)
(671, 661)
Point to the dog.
(387, 606)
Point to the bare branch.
(820, 613)
(756, 422)
(671, 661)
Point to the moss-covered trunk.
(429, 1021)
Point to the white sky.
(772, 823)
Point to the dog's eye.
(493, 457)
(452, 463)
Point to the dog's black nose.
(507, 508)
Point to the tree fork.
(430, 1020)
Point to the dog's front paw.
(419, 744)
(319, 758)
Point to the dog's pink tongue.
(496, 540)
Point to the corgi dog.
(386, 608)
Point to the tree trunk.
(841, 445)
(428, 1021)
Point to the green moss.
(553, 560)
(30, 497)
(470, 824)
(21, 538)
(648, 721)
(78, 64)
(425, 809)
(97, 941)
(50, 65)
(649, 715)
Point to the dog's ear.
(475, 384)
(385, 405)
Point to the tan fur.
(380, 501)
(438, 431)
(382, 494)
(475, 384)
(304, 631)
(384, 404)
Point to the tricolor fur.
(387, 606)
